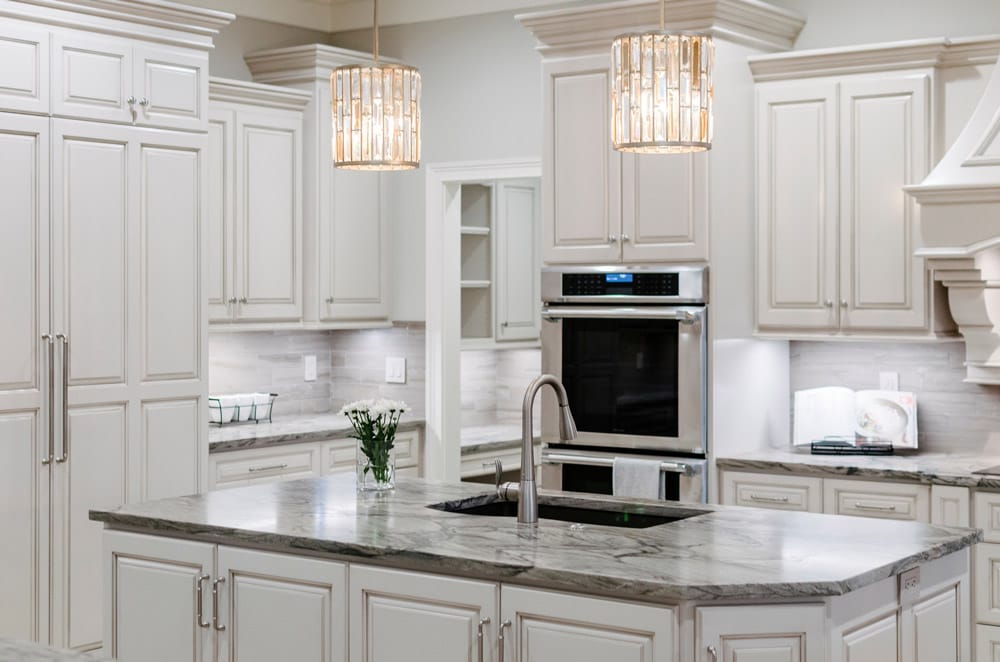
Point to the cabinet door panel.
(518, 295)
(796, 206)
(935, 628)
(885, 141)
(151, 589)
(91, 78)
(581, 176)
(170, 224)
(24, 78)
(950, 505)
(397, 612)
(281, 607)
(761, 633)
(987, 573)
(353, 250)
(171, 447)
(665, 207)
(269, 213)
(221, 231)
(987, 643)
(872, 642)
(553, 626)
(172, 88)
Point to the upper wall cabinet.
(118, 80)
(24, 77)
(601, 206)
(838, 136)
(255, 203)
(345, 233)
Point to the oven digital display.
(618, 278)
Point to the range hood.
(960, 220)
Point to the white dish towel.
(638, 478)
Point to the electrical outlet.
(909, 587)
(888, 381)
(395, 370)
(310, 368)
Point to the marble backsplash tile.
(493, 383)
(952, 415)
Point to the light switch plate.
(395, 370)
(888, 381)
(310, 368)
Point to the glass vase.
(378, 472)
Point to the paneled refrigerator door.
(25, 401)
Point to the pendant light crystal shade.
(376, 117)
(661, 92)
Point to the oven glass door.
(625, 371)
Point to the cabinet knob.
(612, 238)
(329, 299)
(843, 303)
(243, 299)
(625, 237)
(828, 303)
(231, 300)
(130, 101)
(144, 102)
(713, 653)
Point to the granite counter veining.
(286, 430)
(12, 650)
(493, 437)
(928, 468)
(725, 552)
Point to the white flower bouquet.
(375, 423)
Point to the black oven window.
(621, 375)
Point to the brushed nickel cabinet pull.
(270, 467)
(219, 627)
(860, 505)
(714, 653)
(243, 299)
(612, 238)
(479, 635)
(144, 102)
(625, 238)
(62, 457)
(500, 638)
(828, 303)
(329, 299)
(52, 398)
(768, 499)
(199, 598)
(231, 300)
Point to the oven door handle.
(669, 466)
(683, 314)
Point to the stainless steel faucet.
(526, 491)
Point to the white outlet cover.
(909, 587)
(888, 381)
(395, 370)
(310, 368)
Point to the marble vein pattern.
(722, 553)
(286, 430)
(492, 437)
(12, 650)
(928, 468)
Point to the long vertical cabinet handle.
(65, 398)
(501, 639)
(219, 627)
(479, 635)
(46, 460)
(199, 593)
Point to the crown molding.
(300, 64)
(915, 54)
(269, 96)
(585, 29)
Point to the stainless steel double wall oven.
(630, 345)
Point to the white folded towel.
(639, 478)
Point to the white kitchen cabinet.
(836, 234)
(261, 465)
(24, 79)
(987, 643)
(518, 284)
(801, 493)
(394, 614)
(280, 607)
(340, 455)
(987, 516)
(159, 594)
(872, 641)
(604, 207)
(540, 626)
(735, 634)
(950, 505)
(883, 500)
(345, 257)
(255, 222)
(936, 627)
(987, 574)
(125, 81)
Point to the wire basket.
(231, 409)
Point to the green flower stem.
(377, 435)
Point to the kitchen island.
(310, 570)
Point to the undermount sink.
(622, 516)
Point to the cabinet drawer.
(91, 78)
(777, 492)
(987, 583)
(987, 515)
(264, 465)
(896, 501)
(24, 77)
(340, 454)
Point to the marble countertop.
(496, 436)
(723, 552)
(286, 430)
(929, 468)
(23, 651)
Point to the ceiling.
(343, 15)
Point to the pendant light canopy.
(376, 114)
(661, 91)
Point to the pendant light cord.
(375, 23)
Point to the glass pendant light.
(376, 114)
(661, 91)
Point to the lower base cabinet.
(987, 643)
(725, 635)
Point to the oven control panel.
(623, 283)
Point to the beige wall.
(245, 35)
